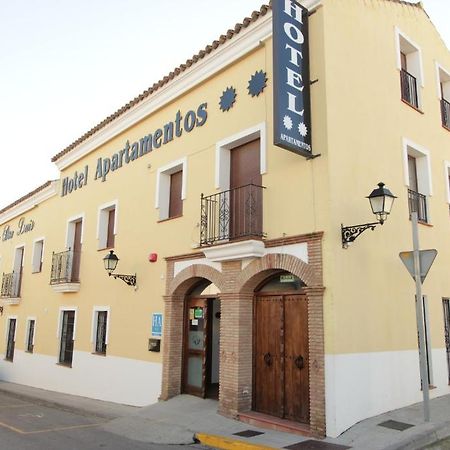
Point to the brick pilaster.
(235, 353)
(172, 351)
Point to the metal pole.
(419, 317)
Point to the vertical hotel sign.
(292, 111)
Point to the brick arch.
(261, 268)
(187, 278)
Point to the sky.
(66, 65)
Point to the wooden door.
(18, 269)
(446, 305)
(296, 358)
(268, 375)
(195, 347)
(76, 251)
(281, 359)
(245, 200)
(67, 329)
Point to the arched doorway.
(201, 341)
(281, 348)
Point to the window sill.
(98, 354)
(421, 222)
(445, 127)
(105, 248)
(170, 218)
(412, 106)
(7, 360)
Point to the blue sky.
(66, 65)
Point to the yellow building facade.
(235, 284)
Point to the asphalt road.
(27, 424)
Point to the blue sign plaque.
(157, 320)
(292, 111)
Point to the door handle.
(299, 362)
(268, 359)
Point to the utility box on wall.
(154, 345)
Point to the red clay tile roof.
(26, 197)
(200, 55)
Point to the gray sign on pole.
(426, 260)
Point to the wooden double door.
(281, 360)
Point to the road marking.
(39, 416)
(17, 430)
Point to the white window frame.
(162, 196)
(7, 329)
(35, 262)
(102, 222)
(60, 316)
(447, 182)
(223, 153)
(414, 60)
(95, 311)
(27, 332)
(442, 76)
(424, 175)
(70, 229)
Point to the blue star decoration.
(257, 83)
(227, 99)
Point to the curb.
(226, 443)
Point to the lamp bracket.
(350, 233)
(128, 279)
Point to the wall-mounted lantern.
(110, 261)
(381, 200)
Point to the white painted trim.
(223, 147)
(424, 153)
(163, 185)
(35, 241)
(27, 330)
(128, 381)
(58, 329)
(439, 80)
(70, 229)
(29, 203)
(399, 33)
(310, 4)
(7, 328)
(66, 287)
(105, 208)
(447, 182)
(95, 310)
(235, 250)
(226, 54)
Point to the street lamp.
(110, 261)
(381, 200)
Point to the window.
(29, 342)
(107, 225)
(74, 244)
(447, 180)
(444, 95)
(446, 306)
(38, 256)
(417, 179)
(10, 344)
(409, 63)
(17, 271)
(171, 189)
(67, 335)
(100, 331)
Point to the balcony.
(418, 203)
(232, 215)
(11, 284)
(409, 88)
(445, 113)
(65, 274)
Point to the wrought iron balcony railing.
(232, 214)
(11, 283)
(418, 203)
(65, 267)
(409, 88)
(445, 113)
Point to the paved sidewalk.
(185, 418)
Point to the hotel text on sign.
(292, 112)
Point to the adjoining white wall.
(109, 378)
(362, 385)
